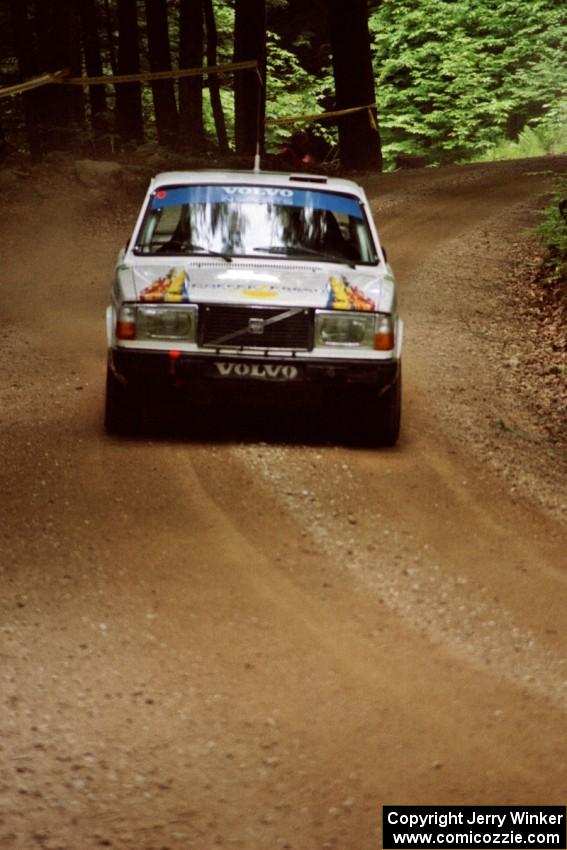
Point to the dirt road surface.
(246, 633)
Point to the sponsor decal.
(311, 199)
(174, 287)
(261, 371)
(345, 296)
(261, 292)
(261, 191)
(252, 292)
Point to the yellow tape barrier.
(296, 119)
(62, 78)
(34, 83)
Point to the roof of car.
(258, 178)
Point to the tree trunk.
(109, 30)
(93, 62)
(213, 80)
(160, 60)
(129, 121)
(359, 139)
(28, 67)
(57, 28)
(191, 46)
(249, 100)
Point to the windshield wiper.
(292, 250)
(174, 246)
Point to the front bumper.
(160, 369)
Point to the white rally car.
(236, 278)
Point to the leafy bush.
(291, 90)
(456, 77)
(553, 231)
(532, 141)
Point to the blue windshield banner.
(274, 195)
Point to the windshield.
(251, 221)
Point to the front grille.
(221, 326)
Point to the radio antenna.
(261, 105)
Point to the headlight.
(157, 322)
(354, 330)
(165, 323)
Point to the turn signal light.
(126, 330)
(383, 341)
(384, 334)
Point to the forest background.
(451, 81)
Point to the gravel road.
(239, 630)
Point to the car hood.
(332, 286)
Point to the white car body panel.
(201, 283)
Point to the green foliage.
(553, 231)
(291, 90)
(532, 141)
(224, 17)
(454, 78)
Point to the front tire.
(123, 410)
(379, 416)
(390, 413)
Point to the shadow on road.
(250, 417)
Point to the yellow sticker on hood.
(261, 292)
